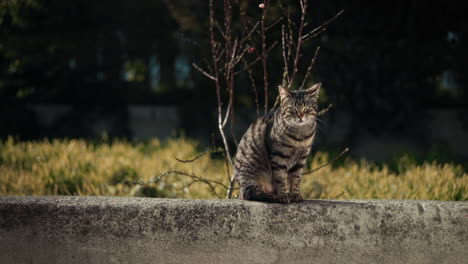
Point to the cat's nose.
(300, 115)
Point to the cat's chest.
(296, 155)
(290, 157)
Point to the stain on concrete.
(420, 209)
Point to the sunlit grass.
(79, 167)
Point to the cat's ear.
(313, 92)
(284, 93)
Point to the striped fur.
(272, 153)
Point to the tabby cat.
(273, 151)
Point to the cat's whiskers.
(317, 119)
(321, 123)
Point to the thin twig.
(230, 61)
(264, 56)
(341, 194)
(309, 69)
(232, 130)
(323, 111)
(254, 90)
(309, 35)
(203, 72)
(218, 150)
(212, 188)
(328, 163)
(299, 41)
(256, 60)
(249, 34)
(228, 173)
(226, 116)
(277, 101)
(273, 24)
(245, 23)
(285, 59)
(218, 93)
(193, 176)
(220, 29)
(291, 40)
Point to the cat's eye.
(290, 110)
(310, 110)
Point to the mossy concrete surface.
(144, 230)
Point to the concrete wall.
(143, 230)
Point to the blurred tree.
(61, 51)
(386, 60)
(381, 61)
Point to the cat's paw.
(295, 198)
(281, 198)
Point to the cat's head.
(299, 107)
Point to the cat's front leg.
(294, 178)
(280, 177)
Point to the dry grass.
(79, 167)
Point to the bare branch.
(194, 178)
(218, 86)
(342, 193)
(234, 50)
(264, 57)
(219, 55)
(288, 41)
(169, 172)
(220, 29)
(226, 116)
(273, 24)
(299, 41)
(303, 5)
(323, 111)
(285, 59)
(321, 27)
(309, 69)
(203, 72)
(277, 101)
(239, 57)
(249, 34)
(254, 89)
(256, 60)
(328, 163)
(291, 40)
(200, 155)
(229, 176)
(233, 132)
(213, 190)
(216, 71)
(308, 36)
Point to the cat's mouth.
(295, 121)
(303, 121)
(300, 123)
